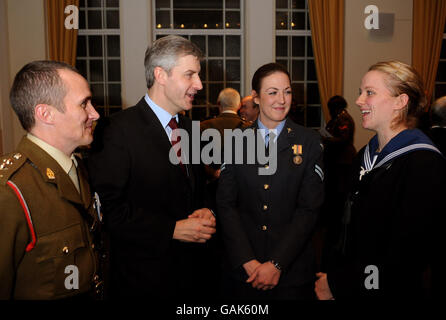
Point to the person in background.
(267, 221)
(395, 208)
(154, 209)
(249, 110)
(437, 131)
(339, 153)
(49, 226)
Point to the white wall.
(26, 42)
(259, 28)
(135, 22)
(362, 49)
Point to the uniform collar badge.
(50, 174)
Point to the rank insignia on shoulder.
(50, 174)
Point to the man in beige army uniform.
(47, 214)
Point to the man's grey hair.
(38, 82)
(165, 53)
(438, 112)
(229, 98)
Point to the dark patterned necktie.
(174, 139)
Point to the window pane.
(81, 66)
(233, 4)
(233, 85)
(311, 71)
(112, 19)
(313, 117)
(298, 22)
(198, 4)
(114, 70)
(96, 70)
(233, 70)
(162, 4)
(113, 46)
(97, 91)
(232, 20)
(298, 46)
(81, 3)
(95, 46)
(443, 49)
(81, 46)
(196, 19)
(114, 94)
(309, 47)
(298, 93)
(162, 19)
(112, 3)
(214, 90)
(200, 41)
(298, 70)
(94, 3)
(441, 73)
(202, 73)
(282, 4)
(213, 112)
(215, 46)
(281, 20)
(233, 46)
(215, 70)
(281, 46)
(200, 97)
(313, 93)
(283, 63)
(199, 113)
(94, 19)
(82, 22)
(298, 4)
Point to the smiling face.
(74, 125)
(181, 84)
(274, 99)
(378, 106)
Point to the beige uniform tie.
(73, 176)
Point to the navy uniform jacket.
(268, 217)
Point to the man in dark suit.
(153, 209)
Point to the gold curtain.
(62, 41)
(428, 25)
(327, 30)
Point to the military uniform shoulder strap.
(9, 164)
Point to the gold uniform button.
(266, 186)
(264, 228)
(266, 166)
(265, 207)
(92, 245)
(65, 250)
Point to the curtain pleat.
(62, 42)
(327, 33)
(428, 26)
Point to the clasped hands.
(198, 227)
(262, 276)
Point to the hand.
(322, 288)
(194, 230)
(265, 277)
(251, 266)
(203, 213)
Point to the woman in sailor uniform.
(392, 218)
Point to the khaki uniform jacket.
(63, 221)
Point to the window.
(294, 50)
(216, 27)
(98, 52)
(440, 81)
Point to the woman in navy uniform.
(268, 220)
(391, 224)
